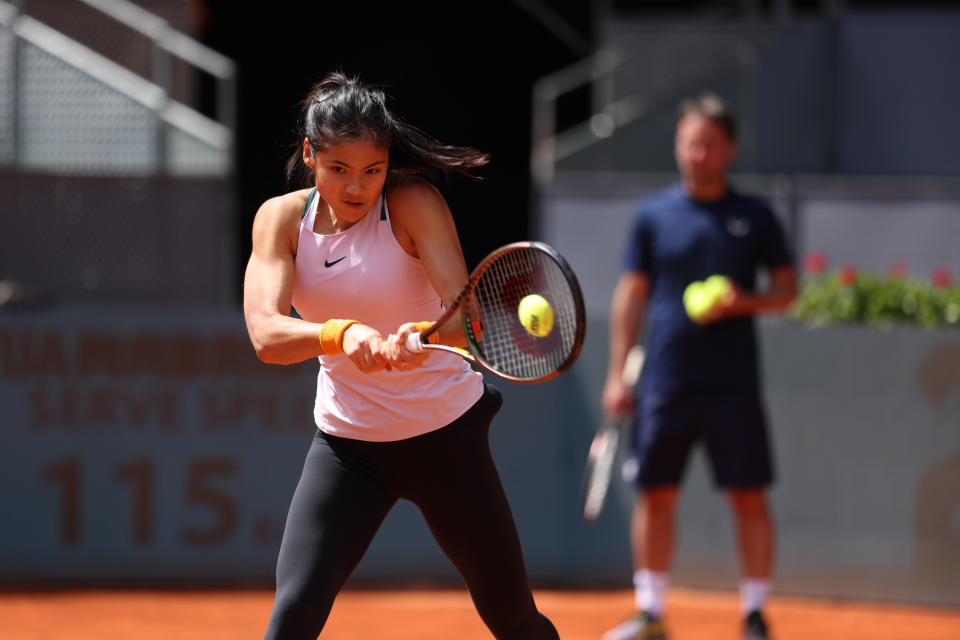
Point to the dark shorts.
(732, 428)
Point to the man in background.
(700, 381)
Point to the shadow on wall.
(937, 492)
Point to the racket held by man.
(603, 449)
(491, 307)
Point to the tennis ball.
(717, 287)
(701, 296)
(536, 315)
(696, 300)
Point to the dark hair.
(712, 107)
(340, 109)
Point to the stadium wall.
(152, 448)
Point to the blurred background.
(144, 444)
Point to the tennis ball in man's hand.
(718, 287)
(700, 296)
(536, 315)
(696, 300)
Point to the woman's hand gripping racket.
(490, 306)
(603, 449)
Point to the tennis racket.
(496, 340)
(603, 449)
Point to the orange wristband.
(423, 326)
(331, 335)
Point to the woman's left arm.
(424, 227)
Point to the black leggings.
(348, 487)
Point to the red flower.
(941, 277)
(898, 270)
(847, 275)
(816, 262)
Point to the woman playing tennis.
(371, 246)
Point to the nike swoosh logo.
(330, 264)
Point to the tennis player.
(370, 247)
(700, 382)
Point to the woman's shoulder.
(292, 203)
(283, 211)
(407, 183)
(292, 200)
(411, 193)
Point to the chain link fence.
(88, 92)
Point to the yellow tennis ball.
(696, 300)
(717, 287)
(536, 315)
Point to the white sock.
(650, 590)
(753, 594)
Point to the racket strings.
(502, 340)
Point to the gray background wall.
(868, 92)
(146, 241)
(146, 447)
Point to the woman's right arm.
(268, 287)
(268, 293)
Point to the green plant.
(846, 296)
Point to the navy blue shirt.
(676, 240)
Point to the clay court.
(440, 615)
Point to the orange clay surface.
(401, 614)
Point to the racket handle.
(414, 345)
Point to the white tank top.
(364, 274)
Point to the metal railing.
(612, 107)
(167, 43)
(742, 29)
(183, 139)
